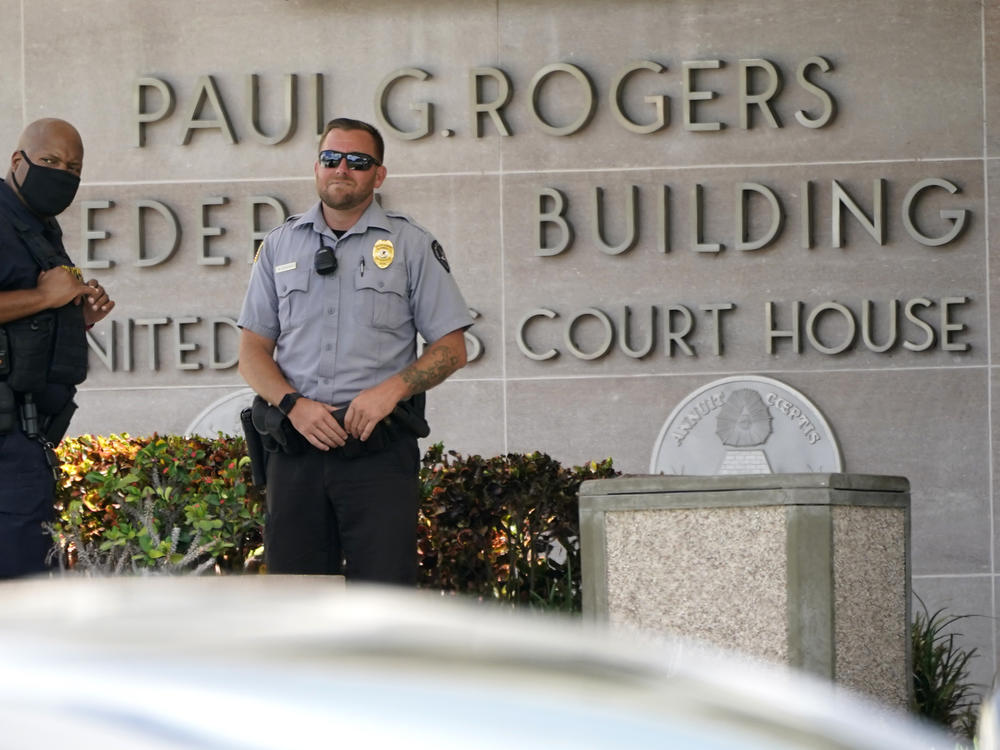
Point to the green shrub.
(503, 528)
(942, 692)
(165, 504)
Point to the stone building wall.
(636, 197)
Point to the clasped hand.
(60, 286)
(316, 423)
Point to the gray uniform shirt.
(337, 334)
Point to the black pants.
(327, 514)
(26, 492)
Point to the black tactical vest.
(49, 346)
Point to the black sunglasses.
(355, 160)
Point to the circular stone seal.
(222, 415)
(745, 425)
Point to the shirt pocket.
(382, 301)
(292, 288)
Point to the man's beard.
(343, 197)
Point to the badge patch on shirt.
(439, 254)
(285, 267)
(382, 253)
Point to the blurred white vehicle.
(286, 662)
(988, 727)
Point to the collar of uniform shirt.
(14, 204)
(373, 217)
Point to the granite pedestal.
(810, 570)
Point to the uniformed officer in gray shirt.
(336, 299)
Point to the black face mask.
(47, 191)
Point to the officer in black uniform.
(329, 324)
(45, 309)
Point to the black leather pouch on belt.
(276, 432)
(69, 347)
(255, 448)
(30, 341)
(8, 409)
(409, 415)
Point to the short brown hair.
(346, 123)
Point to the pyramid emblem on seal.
(744, 425)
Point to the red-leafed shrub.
(503, 528)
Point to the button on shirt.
(337, 334)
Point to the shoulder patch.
(439, 254)
(392, 214)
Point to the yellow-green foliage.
(169, 503)
(503, 528)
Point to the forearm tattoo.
(438, 363)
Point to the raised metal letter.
(670, 336)
(425, 109)
(866, 326)
(609, 334)
(213, 360)
(874, 226)
(715, 309)
(319, 120)
(256, 233)
(691, 95)
(139, 101)
(88, 234)
(761, 99)
(742, 203)
(626, 329)
(523, 345)
(181, 346)
(829, 107)
(140, 232)
(205, 231)
(947, 326)
(207, 92)
(585, 84)
(923, 325)
(154, 350)
(492, 108)
(852, 328)
(473, 346)
(957, 217)
(555, 216)
(696, 221)
(658, 102)
(631, 220)
(290, 116)
(663, 220)
(805, 209)
(791, 333)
